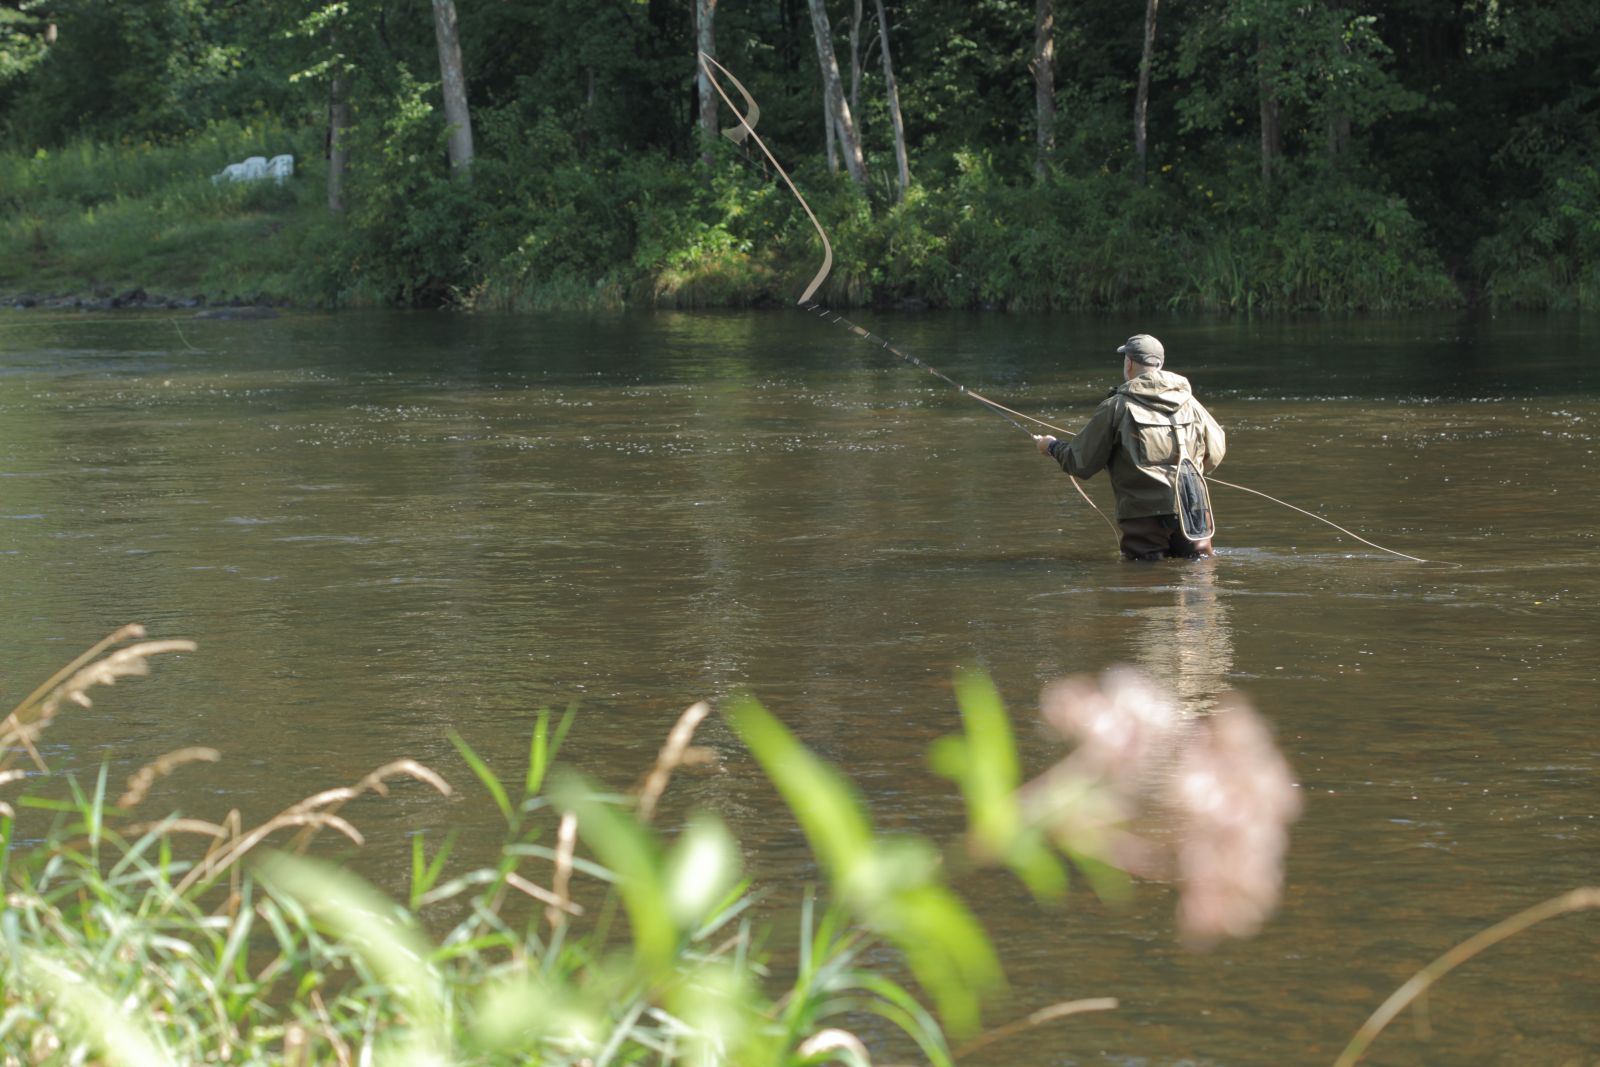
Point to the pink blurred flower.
(1220, 775)
(1121, 722)
(1235, 797)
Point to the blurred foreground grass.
(183, 940)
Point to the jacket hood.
(1157, 389)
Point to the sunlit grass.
(182, 940)
(592, 937)
(122, 216)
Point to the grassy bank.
(641, 232)
(111, 217)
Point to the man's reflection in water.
(1187, 642)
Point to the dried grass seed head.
(140, 781)
(130, 662)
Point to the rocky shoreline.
(107, 299)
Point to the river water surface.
(383, 527)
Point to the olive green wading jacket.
(1134, 434)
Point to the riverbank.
(105, 299)
(94, 224)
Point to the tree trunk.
(790, 48)
(1141, 99)
(455, 88)
(1044, 83)
(900, 158)
(338, 150)
(1338, 135)
(855, 70)
(1271, 137)
(705, 14)
(838, 107)
(829, 135)
(1336, 116)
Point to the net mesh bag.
(1194, 502)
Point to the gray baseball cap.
(1144, 350)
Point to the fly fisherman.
(1156, 440)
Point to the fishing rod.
(746, 128)
(1012, 416)
(999, 409)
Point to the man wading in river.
(1155, 439)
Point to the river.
(381, 527)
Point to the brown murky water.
(384, 527)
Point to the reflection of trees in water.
(1187, 642)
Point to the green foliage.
(1330, 246)
(269, 957)
(1408, 134)
(410, 225)
(307, 962)
(891, 885)
(984, 764)
(1325, 61)
(137, 70)
(386, 939)
(1547, 253)
(22, 42)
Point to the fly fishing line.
(1198, 502)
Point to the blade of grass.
(543, 747)
(425, 873)
(490, 781)
(821, 799)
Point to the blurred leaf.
(95, 1016)
(717, 1003)
(891, 884)
(634, 856)
(378, 930)
(1111, 884)
(984, 765)
(821, 799)
(521, 1011)
(948, 951)
(703, 863)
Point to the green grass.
(235, 946)
(122, 216)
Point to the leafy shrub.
(1546, 254)
(1324, 246)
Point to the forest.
(1205, 155)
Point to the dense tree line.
(1102, 152)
